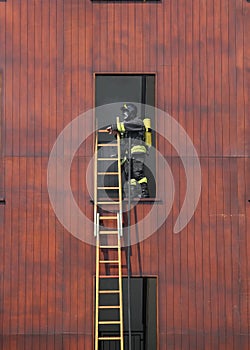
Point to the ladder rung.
(109, 203)
(109, 291)
(109, 173)
(102, 130)
(107, 144)
(107, 158)
(109, 338)
(108, 217)
(108, 188)
(108, 232)
(109, 261)
(109, 322)
(109, 276)
(109, 307)
(109, 246)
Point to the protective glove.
(112, 130)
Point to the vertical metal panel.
(1, 141)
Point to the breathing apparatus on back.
(148, 132)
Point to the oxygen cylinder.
(148, 132)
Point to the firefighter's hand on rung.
(111, 131)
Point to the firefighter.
(133, 127)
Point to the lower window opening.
(143, 301)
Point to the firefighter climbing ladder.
(109, 311)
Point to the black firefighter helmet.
(129, 111)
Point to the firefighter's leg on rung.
(139, 175)
(133, 182)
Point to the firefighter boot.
(144, 190)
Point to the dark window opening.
(143, 313)
(120, 88)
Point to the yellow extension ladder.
(107, 212)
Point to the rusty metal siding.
(200, 53)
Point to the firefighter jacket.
(136, 130)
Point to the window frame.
(156, 277)
(140, 73)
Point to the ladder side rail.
(97, 283)
(119, 167)
(119, 181)
(95, 183)
(96, 233)
(120, 286)
(119, 224)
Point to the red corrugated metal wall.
(200, 52)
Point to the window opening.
(136, 88)
(143, 313)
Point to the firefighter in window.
(133, 127)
